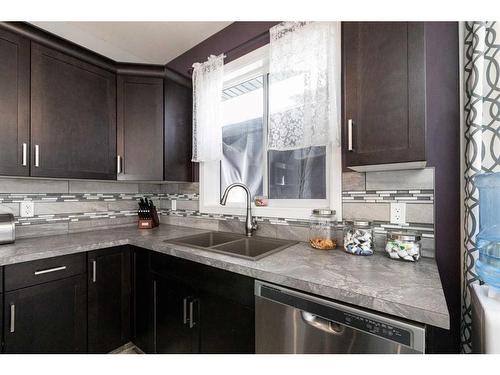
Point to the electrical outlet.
(398, 213)
(27, 209)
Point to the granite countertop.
(408, 290)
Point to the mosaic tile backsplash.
(63, 206)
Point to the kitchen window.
(295, 181)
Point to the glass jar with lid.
(358, 237)
(403, 245)
(323, 229)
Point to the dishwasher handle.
(322, 324)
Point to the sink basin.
(206, 239)
(253, 248)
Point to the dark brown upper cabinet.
(73, 117)
(178, 129)
(140, 128)
(384, 118)
(14, 104)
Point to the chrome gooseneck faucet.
(250, 223)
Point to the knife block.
(149, 223)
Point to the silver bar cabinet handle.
(12, 318)
(94, 271)
(25, 154)
(349, 135)
(37, 156)
(118, 164)
(191, 317)
(55, 269)
(184, 315)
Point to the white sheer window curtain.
(304, 86)
(208, 79)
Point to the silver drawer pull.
(49, 270)
(12, 318)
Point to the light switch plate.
(398, 213)
(27, 209)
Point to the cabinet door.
(1, 322)
(109, 294)
(226, 327)
(384, 92)
(227, 306)
(73, 117)
(140, 128)
(47, 318)
(143, 313)
(14, 104)
(178, 132)
(174, 305)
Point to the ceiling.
(135, 42)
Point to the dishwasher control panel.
(377, 328)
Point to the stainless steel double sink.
(253, 248)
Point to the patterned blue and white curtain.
(482, 141)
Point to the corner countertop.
(408, 290)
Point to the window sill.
(302, 213)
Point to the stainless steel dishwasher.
(287, 321)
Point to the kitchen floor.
(128, 348)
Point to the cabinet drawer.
(41, 271)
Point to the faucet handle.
(255, 226)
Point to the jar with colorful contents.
(323, 229)
(403, 246)
(358, 237)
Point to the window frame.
(209, 200)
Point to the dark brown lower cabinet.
(1, 321)
(227, 327)
(193, 309)
(143, 297)
(109, 299)
(47, 318)
(176, 317)
(178, 306)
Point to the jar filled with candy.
(403, 245)
(358, 237)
